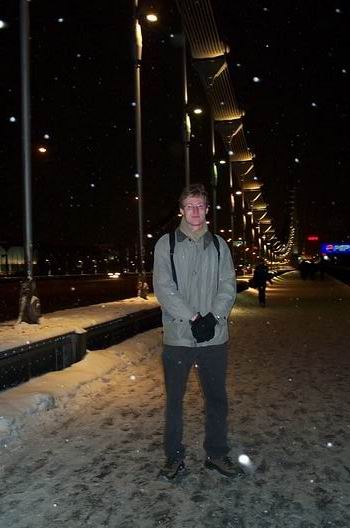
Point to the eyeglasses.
(190, 207)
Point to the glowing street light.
(42, 150)
(151, 17)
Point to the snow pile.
(56, 388)
(66, 321)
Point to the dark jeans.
(212, 364)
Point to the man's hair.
(195, 189)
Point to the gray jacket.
(201, 288)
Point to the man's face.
(194, 210)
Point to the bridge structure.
(252, 229)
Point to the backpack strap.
(217, 245)
(172, 247)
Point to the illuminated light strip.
(250, 168)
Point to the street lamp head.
(152, 17)
(198, 111)
(42, 150)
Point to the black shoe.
(223, 465)
(172, 468)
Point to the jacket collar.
(207, 237)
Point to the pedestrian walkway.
(93, 458)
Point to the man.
(196, 289)
(260, 277)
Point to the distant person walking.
(194, 281)
(260, 277)
(304, 268)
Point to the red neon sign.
(313, 238)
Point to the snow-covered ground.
(42, 393)
(86, 448)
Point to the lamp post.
(137, 45)
(29, 308)
(138, 132)
(214, 180)
(232, 206)
(252, 232)
(244, 230)
(239, 202)
(186, 117)
(26, 137)
(187, 134)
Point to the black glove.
(203, 328)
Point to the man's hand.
(203, 328)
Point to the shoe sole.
(211, 466)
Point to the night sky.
(289, 66)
